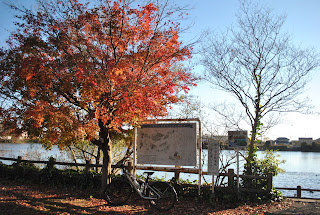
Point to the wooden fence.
(298, 189)
(52, 163)
(230, 175)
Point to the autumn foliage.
(83, 70)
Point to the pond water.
(302, 168)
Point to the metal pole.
(238, 168)
(135, 151)
(200, 157)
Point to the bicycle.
(161, 195)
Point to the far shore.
(315, 147)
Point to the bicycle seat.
(149, 173)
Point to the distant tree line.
(314, 147)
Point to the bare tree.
(259, 65)
(190, 107)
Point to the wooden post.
(130, 167)
(19, 160)
(230, 178)
(212, 183)
(269, 182)
(177, 174)
(51, 163)
(88, 167)
(298, 191)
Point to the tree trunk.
(106, 165)
(98, 158)
(105, 140)
(251, 147)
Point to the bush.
(269, 163)
(29, 173)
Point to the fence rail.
(20, 160)
(177, 170)
(298, 189)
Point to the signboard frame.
(238, 139)
(198, 144)
(167, 144)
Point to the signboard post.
(238, 140)
(213, 158)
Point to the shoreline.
(260, 148)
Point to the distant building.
(3, 136)
(308, 140)
(6, 136)
(282, 141)
(269, 142)
(295, 143)
(209, 138)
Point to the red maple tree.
(78, 70)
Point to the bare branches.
(258, 64)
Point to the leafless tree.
(259, 65)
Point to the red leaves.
(109, 63)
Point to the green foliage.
(276, 195)
(187, 181)
(269, 163)
(250, 165)
(224, 194)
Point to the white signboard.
(238, 139)
(213, 158)
(167, 144)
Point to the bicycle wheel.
(118, 192)
(165, 194)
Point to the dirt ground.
(300, 206)
(18, 198)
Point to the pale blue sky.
(303, 23)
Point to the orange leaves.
(118, 71)
(57, 125)
(29, 76)
(110, 63)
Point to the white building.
(307, 140)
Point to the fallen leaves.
(16, 198)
